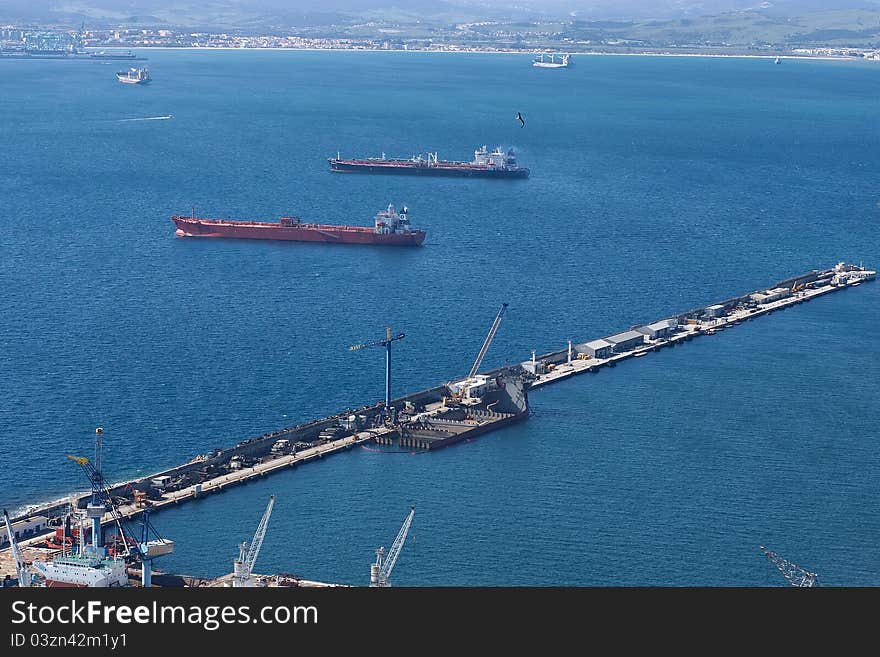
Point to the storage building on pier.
(595, 348)
(662, 329)
(626, 341)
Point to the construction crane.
(488, 341)
(459, 389)
(101, 499)
(381, 570)
(387, 344)
(21, 570)
(795, 575)
(243, 567)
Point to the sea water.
(658, 184)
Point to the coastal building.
(716, 310)
(626, 341)
(662, 329)
(25, 529)
(595, 348)
(769, 296)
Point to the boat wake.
(148, 118)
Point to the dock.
(686, 331)
(425, 421)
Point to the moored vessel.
(83, 570)
(486, 164)
(134, 76)
(390, 228)
(552, 62)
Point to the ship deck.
(235, 223)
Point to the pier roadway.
(237, 477)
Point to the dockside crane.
(459, 389)
(243, 567)
(488, 341)
(149, 549)
(795, 575)
(389, 338)
(380, 571)
(101, 500)
(21, 570)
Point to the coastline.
(496, 52)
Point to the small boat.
(777, 61)
(134, 76)
(639, 354)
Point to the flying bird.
(520, 118)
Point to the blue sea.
(658, 184)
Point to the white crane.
(243, 567)
(381, 570)
(487, 342)
(795, 575)
(465, 388)
(21, 570)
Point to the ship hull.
(127, 81)
(52, 584)
(190, 227)
(405, 168)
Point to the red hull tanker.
(391, 228)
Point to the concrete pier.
(211, 474)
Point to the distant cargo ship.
(496, 164)
(62, 54)
(104, 55)
(563, 62)
(391, 228)
(134, 76)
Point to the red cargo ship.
(391, 228)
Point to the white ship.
(134, 76)
(86, 570)
(552, 62)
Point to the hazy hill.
(643, 22)
(237, 13)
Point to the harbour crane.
(21, 570)
(148, 549)
(381, 570)
(488, 341)
(101, 499)
(459, 389)
(243, 567)
(389, 338)
(795, 575)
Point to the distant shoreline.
(498, 52)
